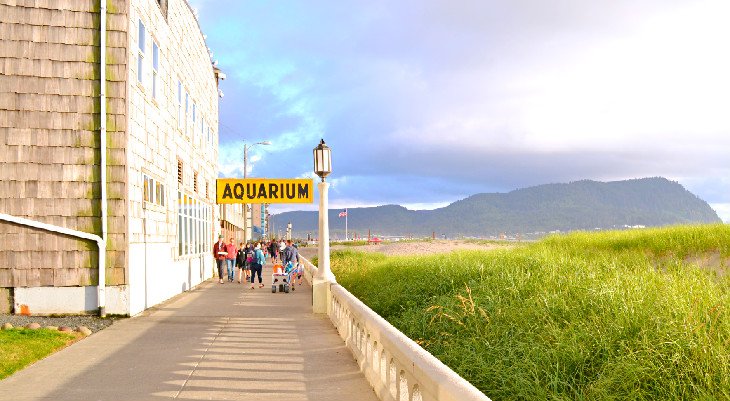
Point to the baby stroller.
(295, 272)
(280, 280)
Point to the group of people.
(249, 259)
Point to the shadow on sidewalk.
(216, 342)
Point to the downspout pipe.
(61, 230)
(101, 296)
(100, 241)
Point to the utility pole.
(245, 205)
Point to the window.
(179, 224)
(206, 190)
(187, 108)
(202, 130)
(180, 172)
(155, 68)
(195, 227)
(179, 105)
(194, 122)
(195, 182)
(140, 53)
(154, 191)
(147, 192)
(160, 193)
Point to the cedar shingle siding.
(49, 139)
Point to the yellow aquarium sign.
(262, 190)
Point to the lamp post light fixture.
(246, 207)
(324, 277)
(322, 160)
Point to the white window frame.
(155, 69)
(195, 225)
(179, 105)
(202, 131)
(187, 114)
(153, 191)
(195, 121)
(141, 39)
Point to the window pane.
(197, 226)
(155, 57)
(140, 64)
(151, 189)
(141, 36)
(145, 188)
(201, 233)
(179, 225)
(187, 225)
(187, 110)
(179, 104)
(193, 228)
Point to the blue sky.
(426, 102)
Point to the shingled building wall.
(50, 140)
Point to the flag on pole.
(344, 214)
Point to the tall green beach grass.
(626, 315)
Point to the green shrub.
(616, 315)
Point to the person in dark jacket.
(257, 266)
(273, 251)
(240, 260)
(249, 260)
(220, 254)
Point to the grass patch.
(349, 243)
(599, 316)
(21, 347)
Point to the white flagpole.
(346, 238)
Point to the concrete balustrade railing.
(396, 367)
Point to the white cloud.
(483, 95)
(663, 84)
(723, 210)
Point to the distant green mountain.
(581, 205)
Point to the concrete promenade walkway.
(216, 342)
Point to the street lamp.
(246, 206)
(245, 154)
(324, 277)
(322, 160)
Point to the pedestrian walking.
(220, 254)
(257, 266)
(231, 259)
(249, 259)
(291, 263)
(273, 250)
(240, 260)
